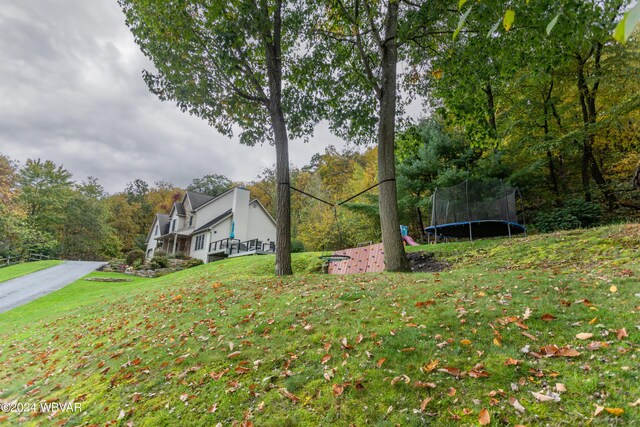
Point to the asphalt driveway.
(21, 290)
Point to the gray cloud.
(71, 91)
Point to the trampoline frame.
(510, 225)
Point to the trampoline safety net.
(490, 208)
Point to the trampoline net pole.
(434, 215)
(466, 190)
(506, 202)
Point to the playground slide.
(409, 241)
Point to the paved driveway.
(21, 290)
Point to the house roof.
(163, 222)
(179, 208)
(197, 199)
(214, 221)
(163, 225)
(212, 199)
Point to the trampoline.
(475, 210)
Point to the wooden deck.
(366, 259)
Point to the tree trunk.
(636, 178)
(395, 258)
(589, 117)
(420, 223)
(491, 110)
(281, 140)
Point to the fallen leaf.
(567, 352)
(465, 342)
(497, 341)
(546, 397)
(548, 317)
(213, 408)
(528, 335)
(634, 404)
(561, 387)
(380, 362)
(421, 384)
(621, 333)
(325, 359)
(217, 375)
(286, 393)
(516, 405)
(430, 366)
(484, 418)
(584, 336)
(527, 313)
(615, 411)
(451, 392)
(338, 389)
(234, 354)
(359, 338)
(613, 289)
(511, 361)
(451, 371)
(598, 410)
(424, 403)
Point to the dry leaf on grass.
(484, 418)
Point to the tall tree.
(213, 184)
(45, 189)
(365, 96)
(226, 62)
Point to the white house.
(212, 228)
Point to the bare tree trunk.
(281, 140)
(636, 178)
(395, 258)
(588, 96)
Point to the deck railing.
(235, 246)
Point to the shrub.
(193, 262)
(179, 255)
(159, 261)
(297, 246)
(135, 255)
(574, 214)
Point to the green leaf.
(494, 28)
(625, 27)
(461, 3)
(461, 22)
(509, 17)
(552, 24)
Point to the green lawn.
(229, 343)
(13, 271)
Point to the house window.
(173, 224)
(156, 232)
(190, 220)
(199, 242)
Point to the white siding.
(219, 232)
(260, 226)
(241, 214)
(214, 209)
(152, 243)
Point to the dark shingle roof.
(213, 222)
(198, 199)
(163, 223)
(180, 208)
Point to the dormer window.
(173, 224)
(190, 220)
(157, 229)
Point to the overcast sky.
(71, 91)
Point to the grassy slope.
(149, 351)
(11, 272)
